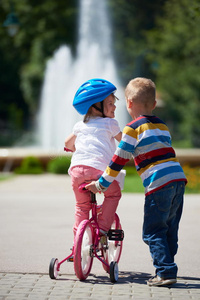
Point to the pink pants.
(81, 174)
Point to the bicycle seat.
(82, 188)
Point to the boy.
(148, 140)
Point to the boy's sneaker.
(158, 281)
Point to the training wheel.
(53, 268)
(114, 271)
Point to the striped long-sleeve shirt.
(148, 141)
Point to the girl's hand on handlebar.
(92, 187)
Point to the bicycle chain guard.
(115, 235)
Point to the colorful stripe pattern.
(148, 140)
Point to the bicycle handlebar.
(67, 150)
(82, 188)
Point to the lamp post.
(11, 22)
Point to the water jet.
(64, 74)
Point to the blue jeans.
(162, 213)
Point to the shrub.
(193, 176)
(30, 165)
(59, 165)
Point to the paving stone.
(27, 277)
(28, 286)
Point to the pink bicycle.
(89, 243)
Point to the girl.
(93, 144)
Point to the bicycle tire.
(53, 268)
(114, 272)
(82, 250)
(113, 253)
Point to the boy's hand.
(92, 187)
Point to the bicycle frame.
(96, 230)
(96, 234)
(89, 237)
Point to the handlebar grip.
(67, 150)
(82, 188)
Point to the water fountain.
(64, 75)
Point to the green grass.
(133, 183)
(5, 177)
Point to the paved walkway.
(40, 287)
(36, 219)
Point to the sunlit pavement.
(36, 218)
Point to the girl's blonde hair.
(90, 114)
(99, 107)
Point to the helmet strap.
(100, 109)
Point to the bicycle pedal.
(70, 259)
(115, 234)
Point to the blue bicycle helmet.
(92, 91)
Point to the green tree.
(175, 59)
(44, 26)
(130, 21)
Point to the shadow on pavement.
(137, 278)
(124, 278)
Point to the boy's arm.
(122, 155)
(95, 187)
(116, 165)
(92, 187)
(105, 180)
(70, 142)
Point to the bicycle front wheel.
(114, 250)
(83, 258)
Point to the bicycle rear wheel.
(113, 253)
(82, 250)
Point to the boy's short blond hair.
(141, 90)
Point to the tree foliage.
(130, 21)
(175, 46)
(157, 39)
(44, 26)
